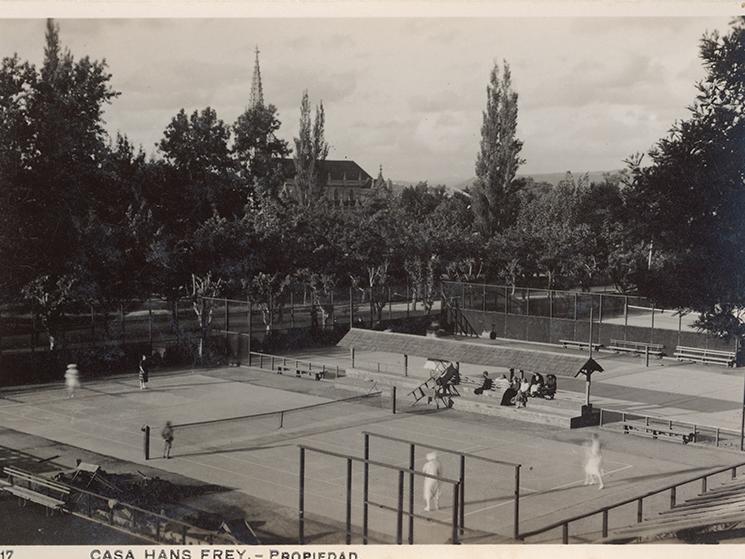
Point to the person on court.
(72, 379)
(144, 373)
(594, 462)
(167, 434)
(432, 486)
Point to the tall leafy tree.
(687, 205)
(311, 149)
(259, 151)
(495, 192)
(53, 148)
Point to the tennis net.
(236, 433)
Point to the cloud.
(285, 88)
(338, 41)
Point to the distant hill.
(552, 178)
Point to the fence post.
(250, 328)
(516, 511)
(301, 503)
(717, 437)
(292, 309)
(351, 308)
(703, 484)
(400, 509)
(394, 400)
(406, 365)
(349, 501)
(651, 332)
(412, 466)
(605, 523)
(565, 533)
(456, 507)
(407, 297)
(625, 315)
(462, 498)
(333, 311)
(672, 497)
(639, 509)
(365, 488)
(146, 441)
(150, 328)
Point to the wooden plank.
(39, 498)
(644, 530)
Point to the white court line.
(533, 492)
(89, 435)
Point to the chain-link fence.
(551, 316)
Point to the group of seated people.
(519, 389)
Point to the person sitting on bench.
(487, 384)
(521, 400)
(508, 398)
(549, 391)
(536, 385)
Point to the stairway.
(717, 509)
(461, 325)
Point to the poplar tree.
(495, 192)
(311, 149)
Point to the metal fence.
(657, 500)
(160, 323)
(549, 316)
(697, 434)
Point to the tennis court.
(256, 457)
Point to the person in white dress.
(594, 462)
(432, 486)
(72, 379)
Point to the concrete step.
(546, 412)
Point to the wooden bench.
(300, 371)
(636, 347)
(657, 432)
(705, 355)
(33, 492)
(579, 344)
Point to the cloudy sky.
(404, 93)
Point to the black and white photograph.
(302, 279)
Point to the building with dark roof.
(344, 183)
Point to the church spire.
(257, 93)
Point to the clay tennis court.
(263, 460)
